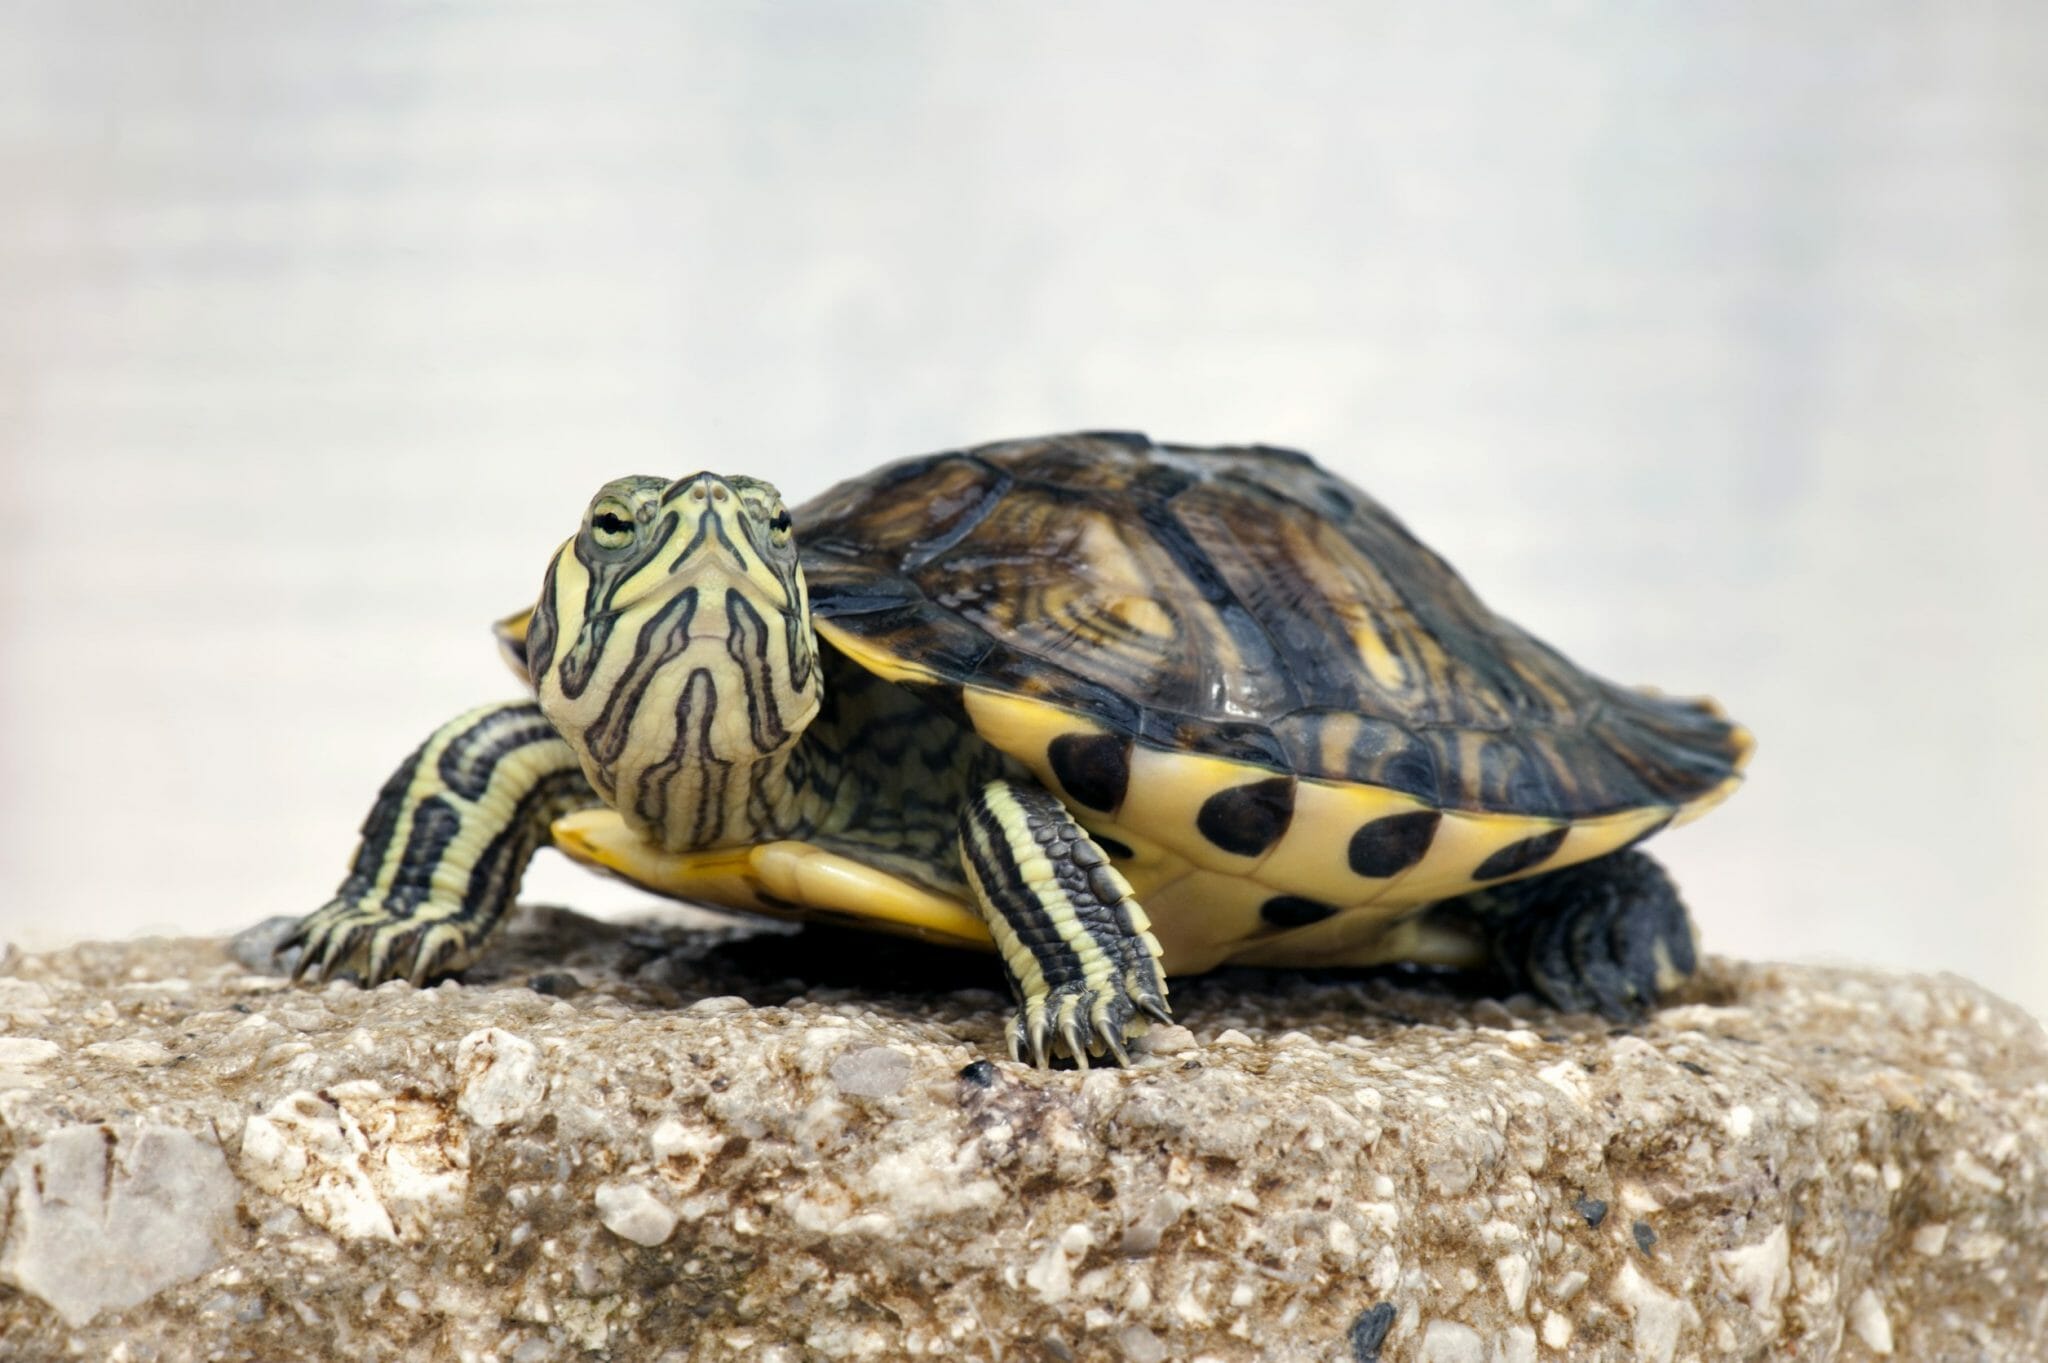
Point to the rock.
(101, 1218)
(737, 1143)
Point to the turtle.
(1113, 709)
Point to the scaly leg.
(1609, 935)
(1078, 950)
(444, 848)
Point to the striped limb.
(1079, 952)
(444, 848)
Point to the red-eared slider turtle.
(1119, 710)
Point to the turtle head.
(672, 647)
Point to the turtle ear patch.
(1248, 820)
(1093, 768)
(1386, 847)
(1520, 856)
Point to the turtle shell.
(1236, 654)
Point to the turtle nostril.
(718, 492)
(697, 492)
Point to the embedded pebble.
(104, 1218)
(130, 1051)
(871, 1071)
(1166, 1039)
(500, 1077)
(25, 1052)
(631, 1211)
(1868, 1319)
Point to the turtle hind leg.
(1076, 946)
(443, 849)
(1609, 936)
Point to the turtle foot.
(1610, 936)
(347, 936)
(1080, 1022)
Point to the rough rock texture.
(736, 1144)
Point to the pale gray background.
(1710, 341)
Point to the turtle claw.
(1080, 1023)
(349, 937)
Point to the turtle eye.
(610, 529)
(778, 525)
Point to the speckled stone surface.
(731, 1144)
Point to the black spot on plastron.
(1369, 1332)
(1520, 856)
(1116, 851)
(1386, 847)
(1247, 820)
(1593, 1209)
(1094, 768)
(1293, 911)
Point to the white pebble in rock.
(631, 1212)
(1868, 1319)
(19, 1052)
(1166, 1039)
(1448, 1342)
(871, 1071)
(501, 1077)
(104, 1220)
(1140, 1345)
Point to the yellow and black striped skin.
(1078, 946)
(445, 845)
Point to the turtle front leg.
(1609, 935)
(444, 848)
(1076, 946)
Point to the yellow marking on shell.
(801, 876)
(884, 664)
(1166, 794)
(1025, 728)
(1313, 858)
(1462, 842)
(1143, 615)
(1387, 670)
(1744, 743)
(1589, 838)
(1692, 809)
(511, 636)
